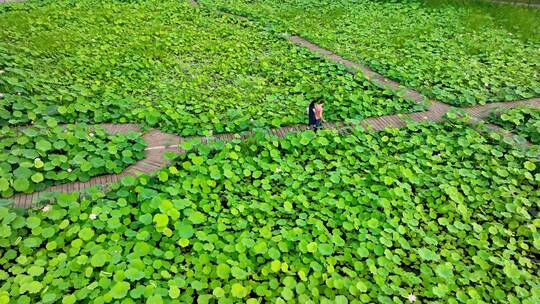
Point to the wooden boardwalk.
(160, 142)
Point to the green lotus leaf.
(69, 299)
(287, 293)
(100, 258)
(341, 300)
(5, 231)
(361, 286)
(325, 249)
(161, 220)
(43, 145)
(146, 219)
(440, 290)
(33, 222)
(218, 292)
(33, 286)
(312, 247)
(445, 271)
(238, 291)
(120, 290)
(21, 185)
(22, 173)
(174, 292)
(37, 177)
(197, 217)
(184, 230)
(4, 184)
(529, 166)
(86, 233)
(275, 266)
(86, 166)
(274, 253)
(197, 160)
(223, 271)
(35, 270)
(163, 176)
(155, 299)
(512, 271)
(427, 254)
(143, 235)
(238, 272)
(128, 181)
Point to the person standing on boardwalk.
(315, 114)
(312, 121)
(319, 114)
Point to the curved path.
(510, 2)
(159, 142)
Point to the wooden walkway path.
(159, 142)
(516, 3)
(10, 1)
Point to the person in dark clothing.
(312, 121)
(315, 114)
(318, 109)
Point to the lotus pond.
(438, 211)
(167, 65)
(462, 54)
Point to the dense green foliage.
(440, 212)
(168, 65)
(458, 54)
(522, 121)
(437, 211)
(33, 158)
(519, 20)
